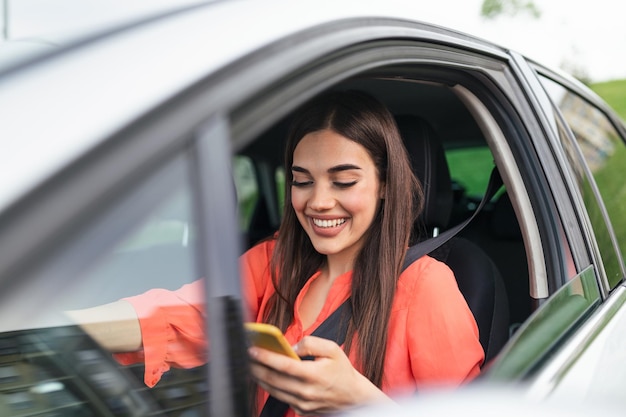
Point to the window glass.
(470, 169)
(247, 189)
(604, 153)
(49, 366)
(280, 188)
(547, 327)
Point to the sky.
(586, 36)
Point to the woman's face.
(335, 192)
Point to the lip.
(327, 231)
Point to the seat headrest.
(431, 168)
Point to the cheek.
(298, 200)
(361, 203)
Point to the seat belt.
(427, 246)
(335, 327)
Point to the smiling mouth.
(328, 223)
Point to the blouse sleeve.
(442, 333)
(172, 330)
(172, 322)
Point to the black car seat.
(504, 244)
(477, 276)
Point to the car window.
(547, 327)
(259, 201)
(48, 366)
(603, 152)
(247, 188)
(279, 176)
(470, 169)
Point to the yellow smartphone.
(268, 336)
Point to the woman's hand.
(327, 384)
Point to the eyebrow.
(331, 170)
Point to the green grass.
(610, 179)
(471, 168)
(614, 93)
(613, 191)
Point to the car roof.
(59, 106)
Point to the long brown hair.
(361, 118)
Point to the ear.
(381, 192)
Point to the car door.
(586, 314)
(163, 217)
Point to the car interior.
(452, 159)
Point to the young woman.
(351, 199)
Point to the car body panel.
(593, 357)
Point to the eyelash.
(344, 184)
(337, 184)
(301, 184)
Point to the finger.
(317, 347)
(271, 380)
(296, 396)
(281, 386)
(300, 406)
(277, 361)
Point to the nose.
(322, 198)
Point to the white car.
(120, 150)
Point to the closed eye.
(344, 184)
(301, 183)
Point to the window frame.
(570, 137)
(218, 254)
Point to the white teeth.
(328, 223)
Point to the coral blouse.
(433, 337)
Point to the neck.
(337, 265)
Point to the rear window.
(470, 169)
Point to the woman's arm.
(160, 328)
(441, 330)
(115, 326)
